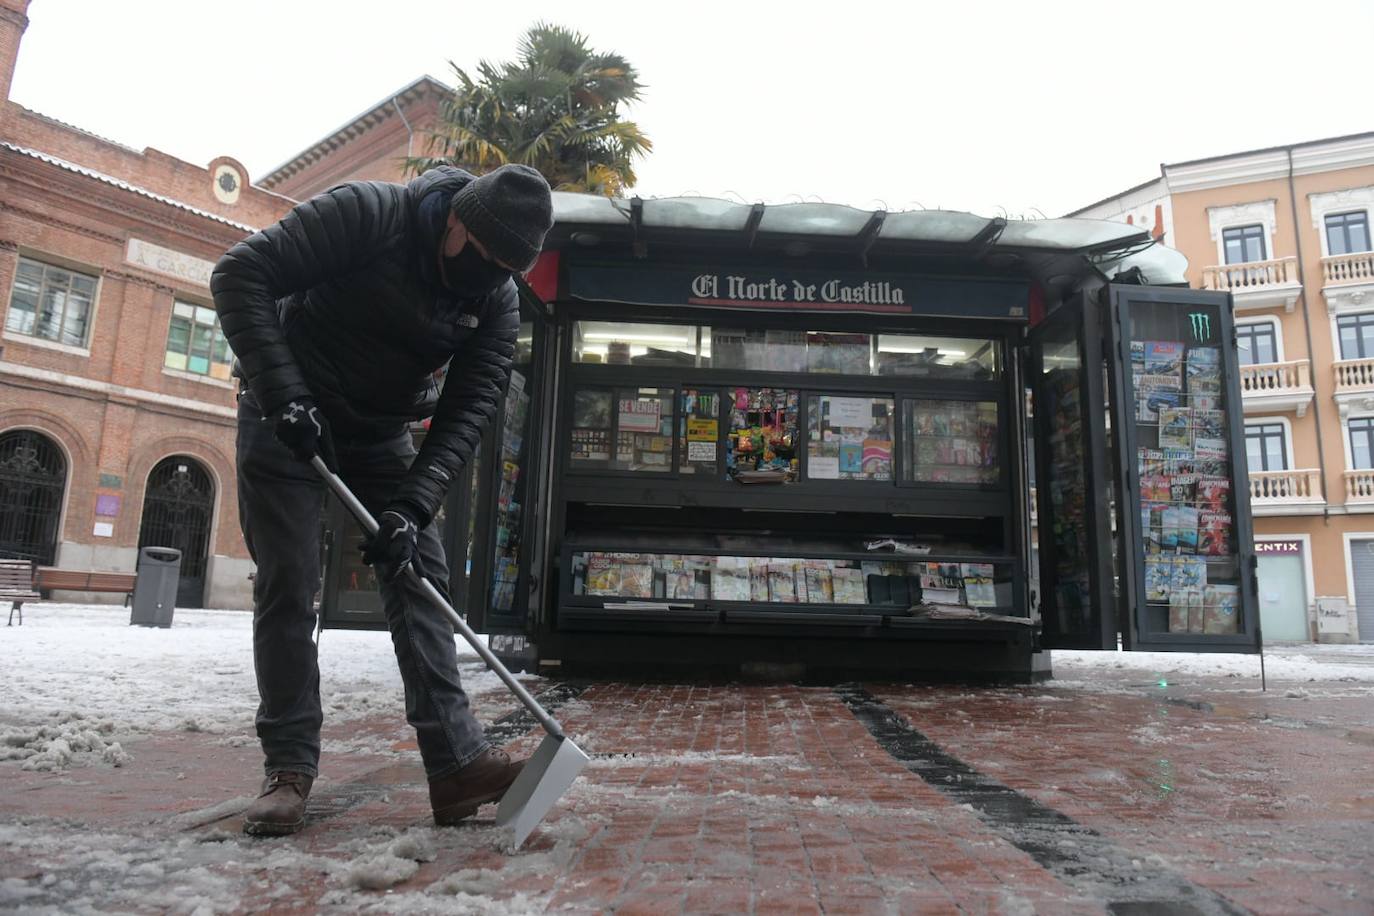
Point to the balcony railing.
(1359, 486)
(1253, 275)
(1354, 375)
(1348, 268)
(1277, 378)
(1278, 487)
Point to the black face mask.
(470, 275)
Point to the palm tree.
(556, 108)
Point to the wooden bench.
(50, 578)
(16, 584)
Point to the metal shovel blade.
(548, 774)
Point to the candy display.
(763, 432)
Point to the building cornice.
(1266, 165)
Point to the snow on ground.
(76, 677)
(1306, 662)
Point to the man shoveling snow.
(339, 316)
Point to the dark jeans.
(279, 508)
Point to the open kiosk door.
(508, 489)
(1187, 571)
(1066, 367)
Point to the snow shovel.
(557, 761)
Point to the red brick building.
(116, 406)
(116, 403)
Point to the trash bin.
(155, 589)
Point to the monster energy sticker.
(1202, 326)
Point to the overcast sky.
(963, 105)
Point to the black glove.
(395, 545)
(301, 427)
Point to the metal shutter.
(1362, 565)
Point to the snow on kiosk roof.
(1111, 247)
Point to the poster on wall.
(640, 416)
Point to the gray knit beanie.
(509, 210)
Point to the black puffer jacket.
(342, 301)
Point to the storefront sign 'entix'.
(737, 289)
(800, 290)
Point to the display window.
(881, 582)
(1191, 563)
(954, 442)
(819, 352)
(699, 432)
(763, 436)
(850, 438)
(620, 343)
(922, 356)
(622, 429)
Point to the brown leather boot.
(486, 779)
(280, 808)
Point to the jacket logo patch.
(468, 321)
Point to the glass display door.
(1077, 606)
(507, 491)
(1188, 572)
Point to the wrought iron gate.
(177, 509)
(33, 474)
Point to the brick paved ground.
(1110, 791)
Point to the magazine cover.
(848, 586)
(1204, 370)
(730, 581)
(1182, 488)
(1175, 427)
(979, 591)
(1155, 488)
(1159, 574)
(1210, 449)
(1164, 357)
(603, 577)
(1187, 529)
(1178, 611)
(680, 586)
(877, 458)
(1179, 461)
(782, 582)
(636, 580)
(1208, 424)
(1196, 600)
(1221, 608)
(1212, 493)
(1151, 461)
(1214, 534)
(820, 586)
(1189, 572)
(758, 580)
(1168, 534)
(1152, 525)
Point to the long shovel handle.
(369, 524)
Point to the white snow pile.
(94, 872)
(54, 747)
(76, 675)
